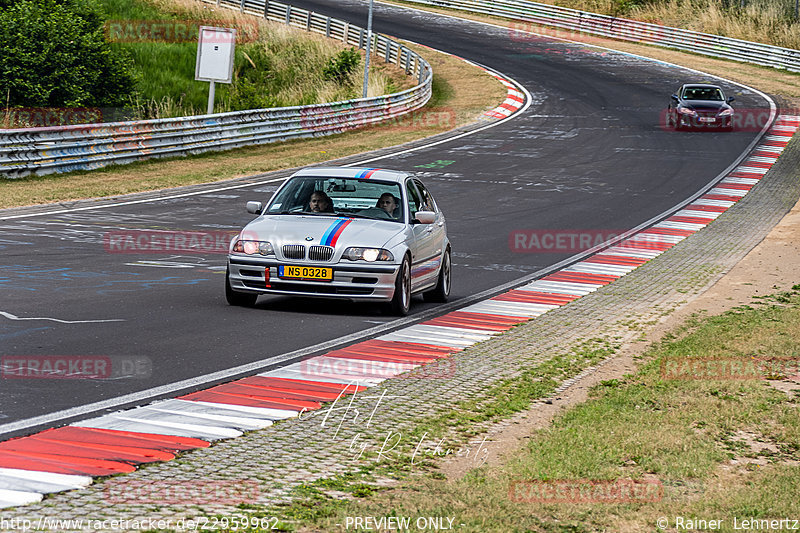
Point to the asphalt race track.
(589, 155)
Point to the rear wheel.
(242, 299)
(401, 301)
(441, 292)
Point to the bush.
(342, 65)
(54, 53)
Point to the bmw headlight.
(253, 247)
(367, 254)
(686, 111)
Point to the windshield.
(702, 93)
(360, 198)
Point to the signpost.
(369, 50)
(215, 48)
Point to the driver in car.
(388, 203)
(320, 202)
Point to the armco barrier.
(576, 21)
(42, 151)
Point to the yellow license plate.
(301, 272)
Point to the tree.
(54, 53)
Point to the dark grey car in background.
(700, 105)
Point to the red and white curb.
(68, 457)
(515, 98)
(513, 102)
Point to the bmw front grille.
(294, 251)
(320, 253)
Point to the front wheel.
(401, 301)
(441, 292)
(242, 299)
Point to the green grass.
(683, 435)
(274, 66)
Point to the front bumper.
(356, 281)
(703, 122)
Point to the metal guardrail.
(576, 21)
(42, 151)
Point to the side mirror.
(731, 99)
(254, 208)
(674, 97)
(425, 217)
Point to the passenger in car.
(320, 202)
(389, 203)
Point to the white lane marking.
(15, 317)
(31, 485)
(660, 238)
(713, 203)
(427, 339)
(138, 425)
(751, 170)
(727, 192)
(741, 181)
(777, 138)
(561, 287)
(266, 412)
(697, 214)
(450, 332)
(188, 406)
(328, 378)
(680, 225)
(10, 498)
(66, 480)
(513, 309)
(771, 149)
(600, 268)
(630, 251)
(191, 411)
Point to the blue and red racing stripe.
(366, 173)
(332, 233)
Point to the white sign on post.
(215, 48)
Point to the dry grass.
(684, 435)
(461, 94)
(276, 66)
(769, 80)
(766, 21)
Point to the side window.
(427, 202)
(414, 202)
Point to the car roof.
(354, 172)
(701, 86)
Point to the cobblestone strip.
(335, 441)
